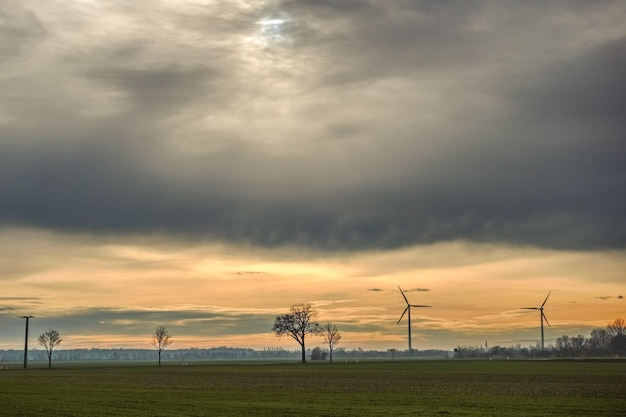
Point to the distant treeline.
(193, 354)
(95, 354)
(605, 341)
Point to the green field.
(400, 388)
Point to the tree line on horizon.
(301, 321)
(602, 342)
(183, 356)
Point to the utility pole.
(26, 340)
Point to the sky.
(206, 164)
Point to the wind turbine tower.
(542, 316)
(408, 309)
(26, 340)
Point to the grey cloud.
(25, 304)
(608, 297)
(584, 89)
(370, 41)
(138, 322)
(19, 28)
(171, 136)
(153, 88)
(333, 5)
(8, 298)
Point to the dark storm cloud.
(589, 88)
(405, 123)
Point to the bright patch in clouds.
(271, 23)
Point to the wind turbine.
(541, 315)
(26, 333)
(408, 308)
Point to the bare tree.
(317, 354)
(617, 330)
(49, 340)
(599, 340)
(617, 327)
(331, 337)
(299, 322)
(393, 354)
(161, 339)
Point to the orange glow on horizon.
(475, 290)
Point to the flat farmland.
(400, 388)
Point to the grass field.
(401, 388)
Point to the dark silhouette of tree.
(49, 340)
(331, 337)
(161, 339)
(618, 345)
(617, 327)
(578, 344)
(317, 354)
(299, 322)
(599, 341)
(563, 345)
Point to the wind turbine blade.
(416, 305)
(530, 308)
(544, 301)
(402, 292)
(546, 319)
(403, 313)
